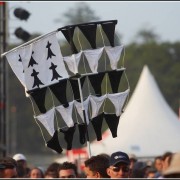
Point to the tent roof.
(148, 127)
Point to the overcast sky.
(162, 17)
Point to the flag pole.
(84, 115)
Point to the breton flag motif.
(42, 63)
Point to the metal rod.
(81, 24)
(84, 115)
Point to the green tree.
(81, 13)
(147, 36)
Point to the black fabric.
(39, 96)
(53, 143)
(96, 81)
(59, 90)
(37, 81)
(75, 87)
(55, 74)
(112, 121)
(89, 32)
(82, 132)
(68, 136)
(68, 33)
(109, 29)
(97, 125)
(115, 77)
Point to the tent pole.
(84, 114)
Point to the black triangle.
(109, 29)
(39, 96)
(96, 81)
(112, 121)
(89, 32)
(59, 90)
(97, 125)
(75, 87)
(68, 33)
(115, 77)
(53, 143)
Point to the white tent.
(148, 127)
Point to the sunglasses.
(123, 168)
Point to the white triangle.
(93, 57)
(47, 120)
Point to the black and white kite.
(41, 67)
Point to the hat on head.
(119, 157)
(174, 167)
(7, 163)
(19, 157)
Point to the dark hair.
(42, 173)
(53, 169)
(158, 157)
(99, 164)
(166, 154)
(139, 169)
(68, 165)
(7, 163)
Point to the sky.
(160, 16)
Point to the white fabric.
(118, 100)
(66, 114)
(114, 54)
(16, 65)
(93, 57)
(78, 106)
(47, 119)
(96, 103)
(73, 62)
(39, 52)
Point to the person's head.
(68, 170)
(8, 167)
(150, 173)
(133, 159)
(119, 165)
(96, 166)
(173, 170)
(52, 171)
(21, 160)
(36, 173)
(139, 169)
(158, 164)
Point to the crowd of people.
(118, 165)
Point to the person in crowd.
(150, 173)
(96, 166)
(158, 165)
(173, 170)
(22, 168)
(8, 168)
(68, 170)
(139, 169)
(133, 159)
(36, 173)
(52, 171)
(119, 165)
